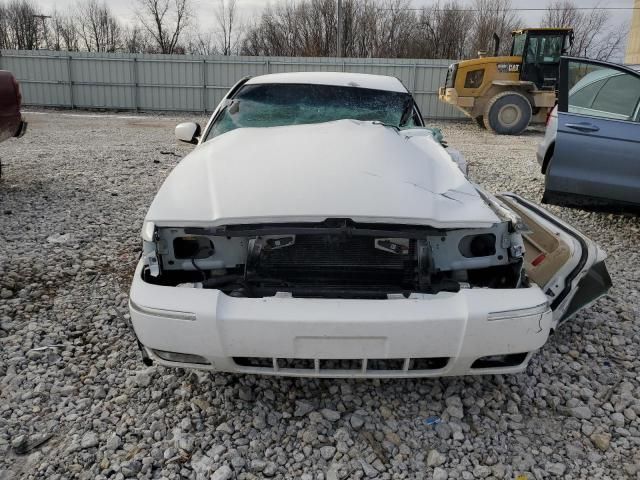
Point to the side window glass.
(583, 96)
(532, 50)
(518, 45)
(550, 49)
(619, 96)
(601, 91)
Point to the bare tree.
(99, 30)
(377, 28)
(202, 44)
(229, 32)
(444, 31)
(63, 33)
(561, 13)
(361, 36)
(5, 41)
(69, 33)
(395, 28)
(22, 25)
(165, 21)
(54, 33)
(595, 34)
(493, 16)
(135, 40)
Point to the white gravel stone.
(440, 474)
(435, 458)
(330, 415)
(356, 422)
(327, 452)
(368, 469)
(303, 408)
(113, 442)
(618, 419)
(582, 412)
(89, 440)
(223, 473)
(556, 469)
(481, 471)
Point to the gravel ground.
(72, 199)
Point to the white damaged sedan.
(319, 229)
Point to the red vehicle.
(11, 122)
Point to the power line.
(518, 9)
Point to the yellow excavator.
(506, 93)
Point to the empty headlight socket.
(192, 247)
(483, 245)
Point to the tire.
(480, 121)
(508, 113)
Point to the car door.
(564, 263)
(596, 159)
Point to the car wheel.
(508, 113)
(480, 121)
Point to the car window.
(544, 49)
(600, 91)
(272, 105)
(550, 49)
(518, 44)
(532, 50)
(583, 97)
(619, 96)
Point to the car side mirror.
(188, 132)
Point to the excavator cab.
(504, 93)
(540, 50)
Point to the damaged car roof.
(339, 79)
(364, 171)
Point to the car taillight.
(549, 113)
(16, 87)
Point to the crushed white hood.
(308, 173)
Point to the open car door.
(566, 265)
(596, 158)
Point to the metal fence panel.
(193, 83)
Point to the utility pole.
(339, 36)
(44, 29)
(633, 40)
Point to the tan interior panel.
(540, 242)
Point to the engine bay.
(337, 258)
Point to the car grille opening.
(258, 362)
(385, 364)
(500, 361)
(296, 363)
(333, 261)
(435, 363)
(343, 366)
(347, 364)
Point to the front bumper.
(401, 335)
(450, 96)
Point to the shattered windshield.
(272, 105)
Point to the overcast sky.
(250, 9)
